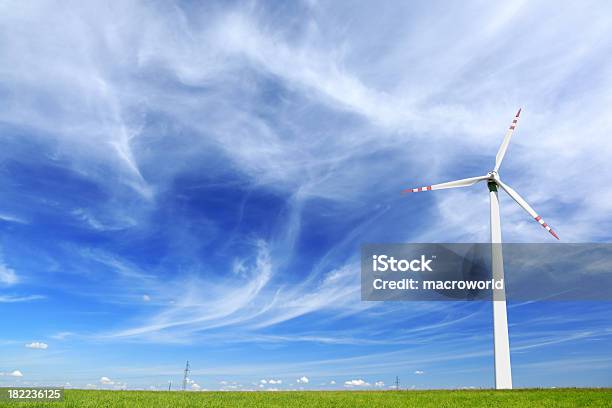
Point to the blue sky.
(194, 181)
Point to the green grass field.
(435, 399)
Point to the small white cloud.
(303, 380)
(106, 381)
(419, 372)
(37, 345)
(195, 386)
(7, 275)
(16, 373)
(275, 381)
(146, 298)
(263, 381)
(332, 382)
(379, 384)
(223, 382)
(356, 383)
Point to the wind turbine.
(503, 372)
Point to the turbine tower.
(503, 372)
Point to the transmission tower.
(396, 383)
(186, 376)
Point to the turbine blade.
(451, 184)
(504, 146)
(520, 201)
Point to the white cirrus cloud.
(37, 345)
(379, 384)
(12, 218)
(15, 299)
(106, 381)
(15, 373)
(303, 380)
(419, 372)
(62, 335)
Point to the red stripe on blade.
(519, 112)
(416, 190)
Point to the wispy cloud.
(17, 298)
(12, 218)
(8, 276)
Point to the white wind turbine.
(503, 373)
